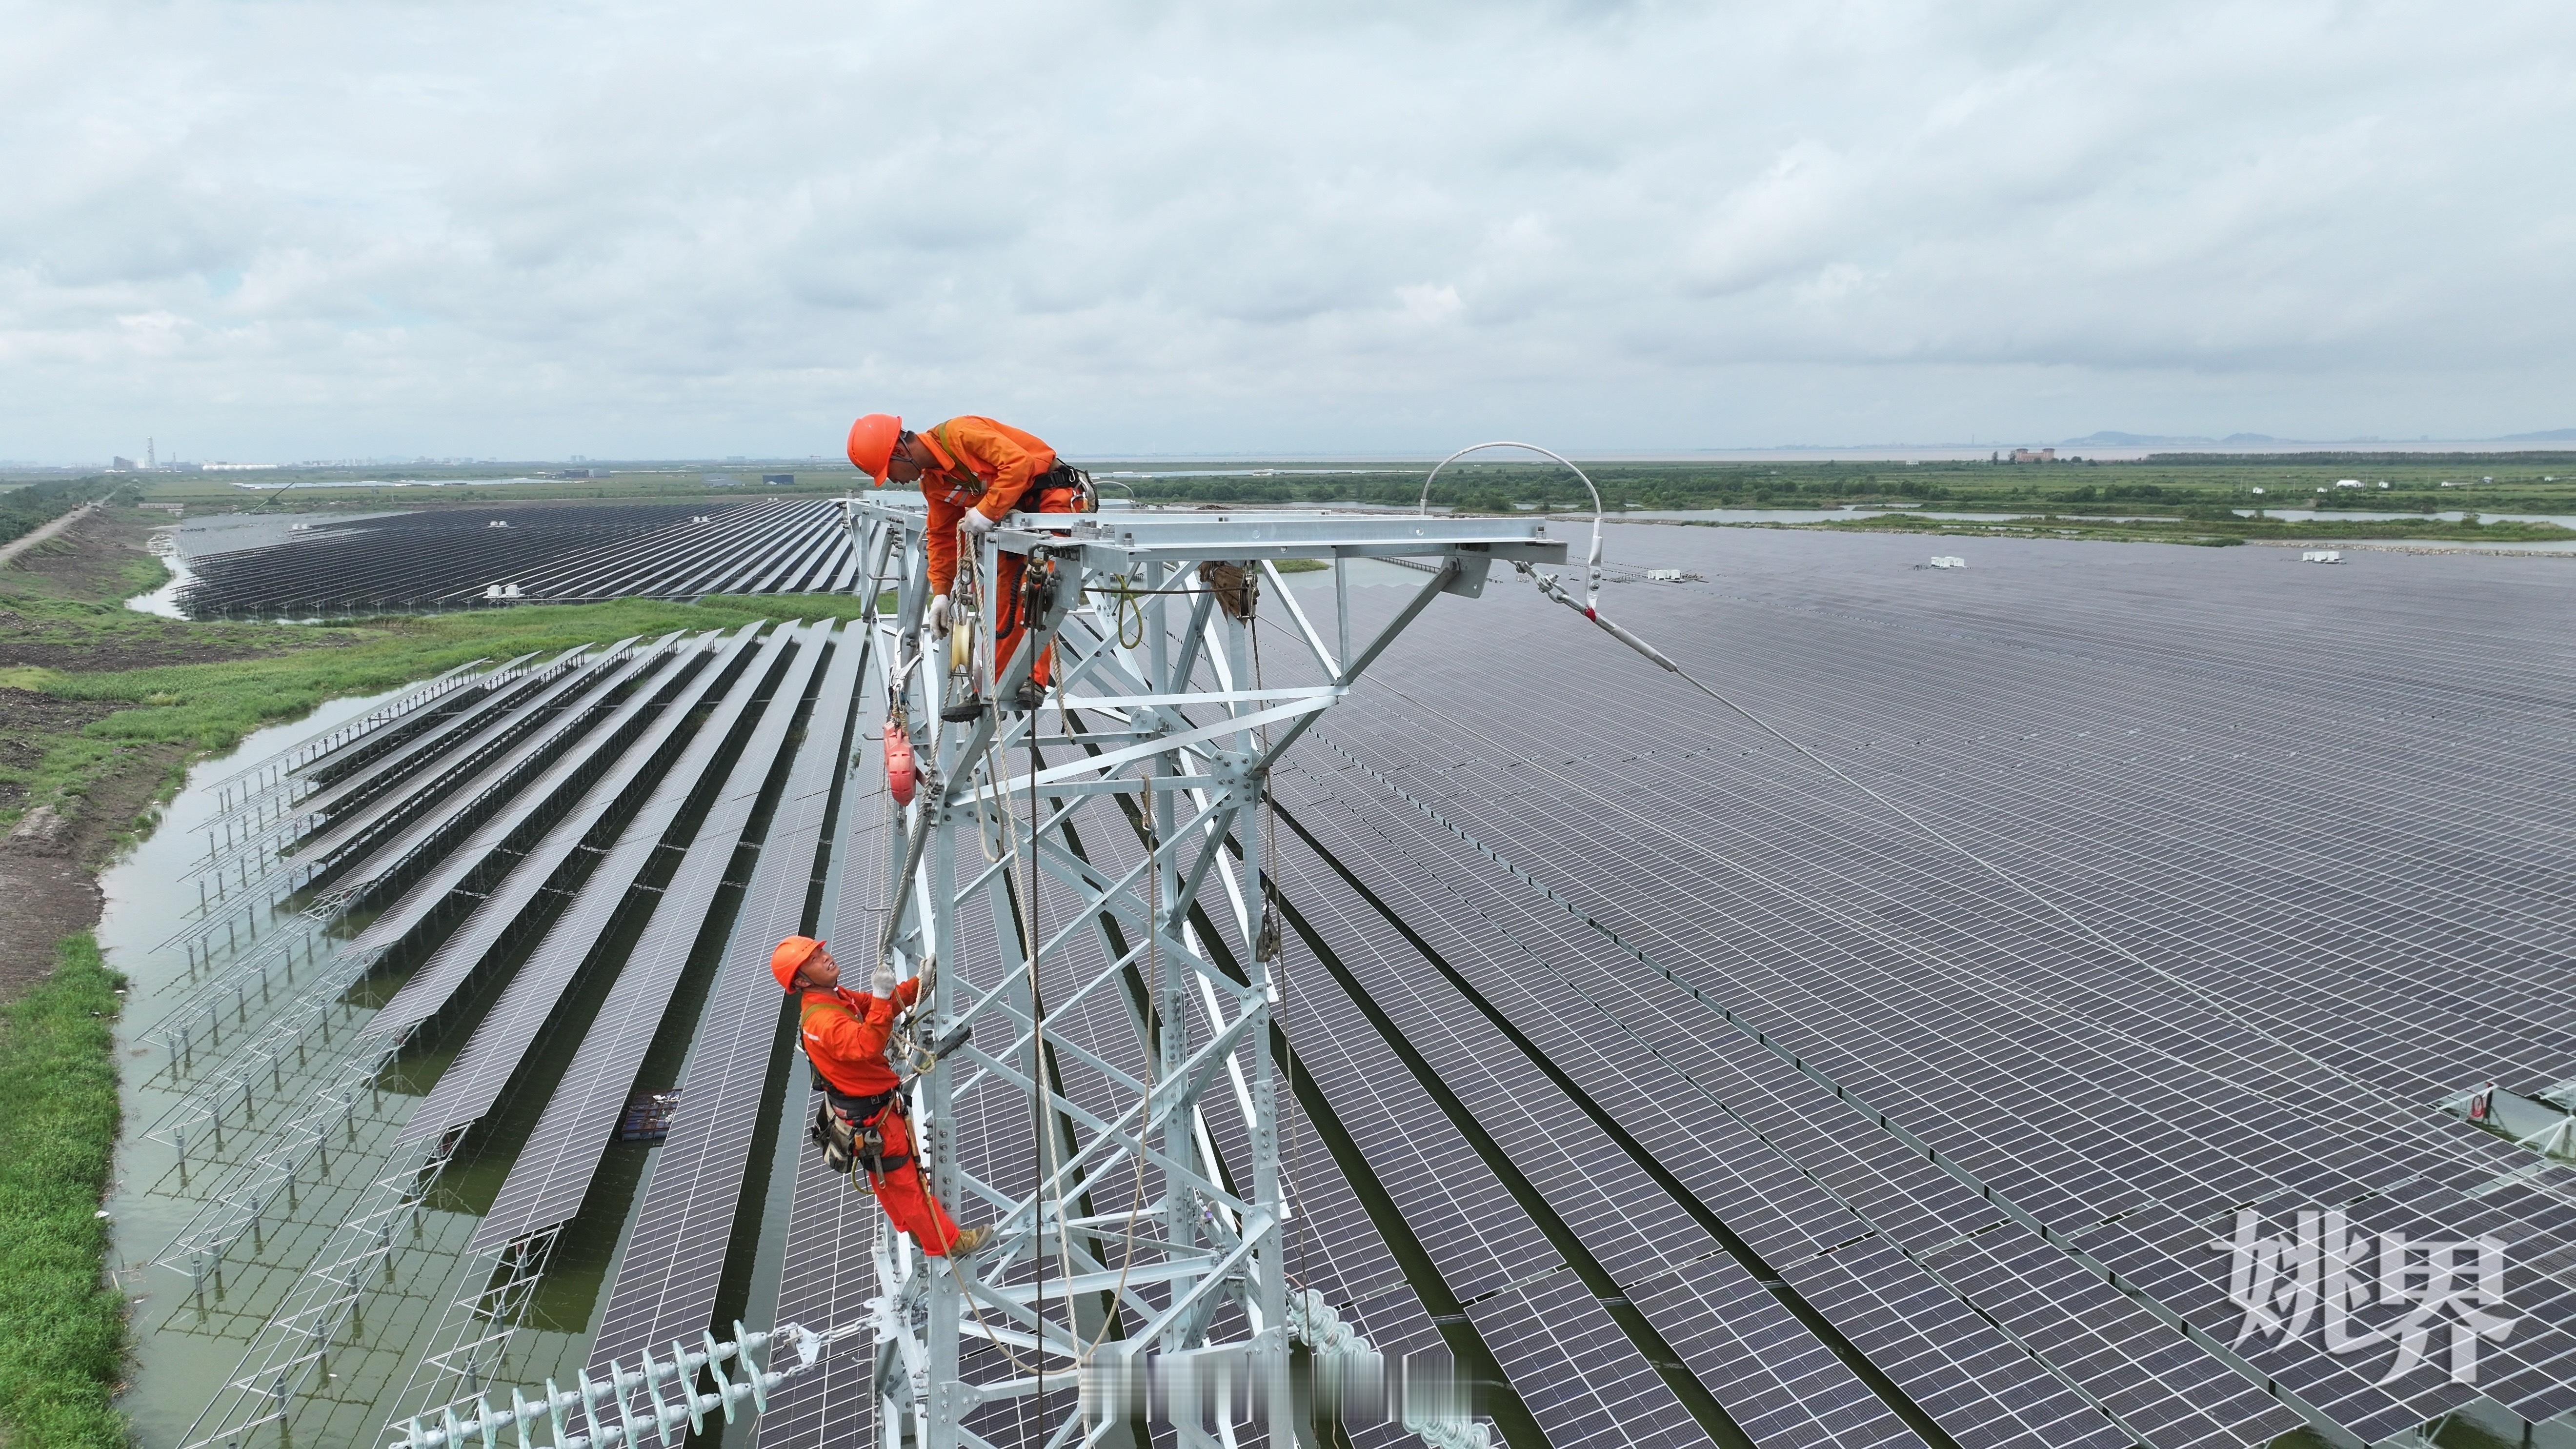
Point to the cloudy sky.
(301, 230)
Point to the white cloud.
(307, 229)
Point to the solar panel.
(367, 827)
(530, 867)
(615, 732)
(667, 1277)
(471, 711)
(1686, 978)
(497, 789)
(547, 1182)
(471, 1084)
(455, 557)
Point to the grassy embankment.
(62, 1324)
(284, 670)
(103, 709)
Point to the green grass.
(207, 708)
(62, 1324)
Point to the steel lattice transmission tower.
(1160, 705)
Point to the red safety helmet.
(872, 440)
(789, 957)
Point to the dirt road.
(17, 546)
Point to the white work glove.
(941, 611)
(882, 984)
(973, 523)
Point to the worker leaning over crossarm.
(972, 470)
(845, 1038)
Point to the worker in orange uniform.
(973, 470)
(845, 1038)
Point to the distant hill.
(2160, 440)
(2554, 435)
(2123, 440)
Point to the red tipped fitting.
(900, 772)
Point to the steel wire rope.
(997, 845)
(992, 1335)
(1147, 1041)
(1053, 1174)
(899, 718)
(1268, 933)
(1048, 1176)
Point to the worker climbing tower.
(1133, 1171)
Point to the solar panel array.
(675, 1256)
(1853, 1140)
(2327, 951)
(1704, 1095)
(455, 557)
(552, 1173)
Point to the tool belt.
(846, 1129)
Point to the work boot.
(969, 1242)
(1029, 697)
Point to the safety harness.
(1073, 483)
(847, 1128)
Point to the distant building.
(120, 465)
(574, 473)
(2034, 455)
(720, 480)
(780, 480)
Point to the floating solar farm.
(2098, 1040)
(465, 557)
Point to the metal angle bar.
(1119, 1143)
(1049, 828)
(1111, 759)
(1314, 641)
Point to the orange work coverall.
(845, 1037)
(987, 466)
